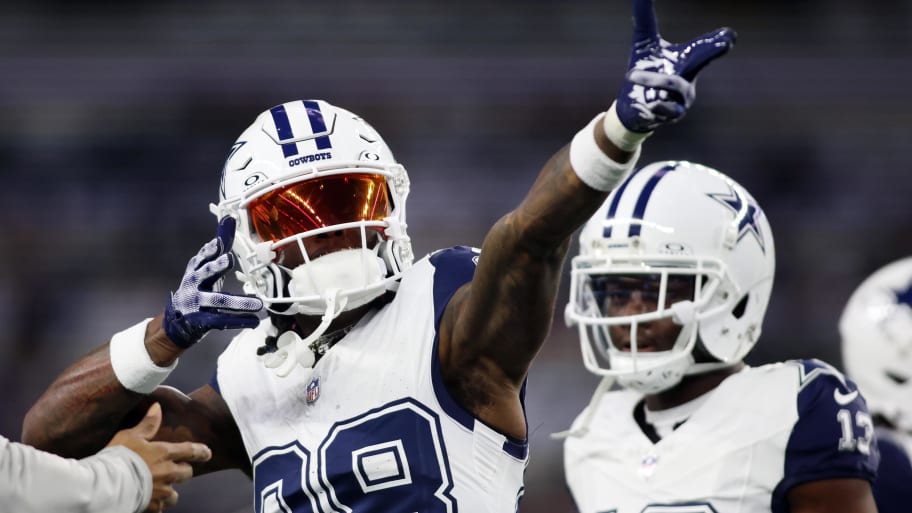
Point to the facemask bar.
(599, 354)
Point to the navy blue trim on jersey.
(645, 194)
(213, 382)
(892, 490)
(453, 268)
(517, 448)
(816, 450)
(283, 130)
(317, 124)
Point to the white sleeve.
(32, 481)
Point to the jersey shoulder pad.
(453, 268)
(833, 435)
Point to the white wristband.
(590, 163)
(132, 364)
(618, 134)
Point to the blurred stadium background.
(115, 119)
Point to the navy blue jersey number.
(391, 455)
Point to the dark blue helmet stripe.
(317, 124)
(645, 194)
(283, 130)
(612, 209)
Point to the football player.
(876, 331)
(374, 383)
(669, 291)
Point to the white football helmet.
(876, 330)
(671, 223)
(320, 208)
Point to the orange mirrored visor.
(318, 203)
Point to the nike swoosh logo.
(844, 399)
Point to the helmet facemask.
(324, 231)
(622, 309)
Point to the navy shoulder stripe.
(833, 436)
(453, 268)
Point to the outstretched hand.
(198, 305)
(660, 83)
(169, 463)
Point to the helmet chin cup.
(655, 380)
(355, 274)
(651, 373)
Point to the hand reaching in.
(168, 462)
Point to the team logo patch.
(312, 392)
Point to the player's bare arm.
(86, 405)
(495, 325)
(107, 390)
(82, 409)
(832, 496)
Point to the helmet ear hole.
(738, 310)
(701, 354)
(896, 378)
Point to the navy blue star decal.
(750, 222)
(234, 149)
(904, 297)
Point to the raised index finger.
(645, 25)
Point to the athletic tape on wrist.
(618, 134)
(592, 166)
(132, 364)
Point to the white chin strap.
(292, 349)
(347, 270)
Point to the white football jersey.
(373, 429)
(759, 433)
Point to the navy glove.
(198, 305)
(660, 83)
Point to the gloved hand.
(660, 83)
(198, 305)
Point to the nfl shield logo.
(648, 465)
(313, 390)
